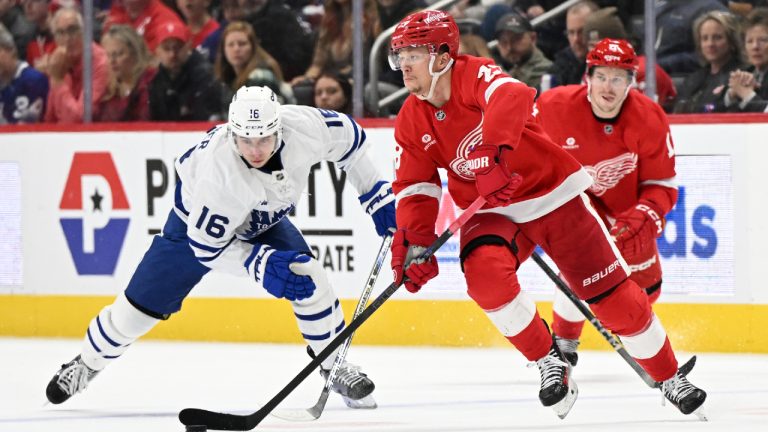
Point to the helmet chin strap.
(435, 76)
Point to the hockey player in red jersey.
(623, 140)
(465, 115)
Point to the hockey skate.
(558, 390)
(353, 385)
(568, 347)
(685, 396)
(73, 377)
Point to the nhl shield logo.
(440, 115)
(608, 129)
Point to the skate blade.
(563, 407)
(699, 412)
(295, 415)
(365, 403)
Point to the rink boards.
(78, 210)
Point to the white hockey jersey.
(224, 200)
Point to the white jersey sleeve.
(341, 140)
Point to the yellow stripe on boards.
(691, 327)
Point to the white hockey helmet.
(255, 112)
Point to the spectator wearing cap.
(23, 90)
(570, 62)
(65, 69)
(184, 88)
(147, 17)
(518, 54)
(605, 23)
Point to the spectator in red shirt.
(65, 69)
(199, 21)
(145, 16)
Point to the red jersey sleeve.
(656, 157)
(417, 184)
(507, 103)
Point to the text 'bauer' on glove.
(407, 246)
(635, 230)
(379, 203)
(493, 179)
(282, 273)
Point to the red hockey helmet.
(430, 28)
(616, 53)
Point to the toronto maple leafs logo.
(608, 173)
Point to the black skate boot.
(558, 390)
(685, 396)
(568, 347)
(72, 378)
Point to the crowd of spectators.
(182, 60)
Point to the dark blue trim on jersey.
(321, 337)
(357, 143)
(335, 123)
(340, 327)
(205, 247)
(213, 257)
(104, 334)
(316, 316)
(254, 251)
(90, 339)
(177, 198)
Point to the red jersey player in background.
(623, 140)
(465, 115)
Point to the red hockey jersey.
(485, 106)
(629, 157)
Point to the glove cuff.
(376, 198)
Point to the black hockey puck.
(196, 428)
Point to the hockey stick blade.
(314, 412)
(222, 421)
(615, 343)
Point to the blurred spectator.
(12, 17)
(675, 48)
(184, 88)
(550, 38)
(392, 11)
(744, 7)
(604, 23)
(23, 89)
(748, 89)
(719, 47)
(147, 17)
(127, 95)
(230, 12)
(333, 50)
(518, 54)
(65, 69)
(241, 59)
(199, 22)
(474, 45)
(282, 33)
(38, 13)
(333, 92)
(569, 63)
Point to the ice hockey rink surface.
(418, 389)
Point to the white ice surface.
(418, 389)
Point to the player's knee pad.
(491, 274)
(624, 309)
(319, 316)
(111, 332)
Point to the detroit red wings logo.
(459, 165)
(608, 173)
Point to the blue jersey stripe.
(315, 317)
(104, 334)
(321, 337)
(357, 142)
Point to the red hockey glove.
(636, 230)
(492, 179)
(407, 246)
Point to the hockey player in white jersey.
(236, 189)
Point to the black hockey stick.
(615, 343)
(195, 418)
(314, 412)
